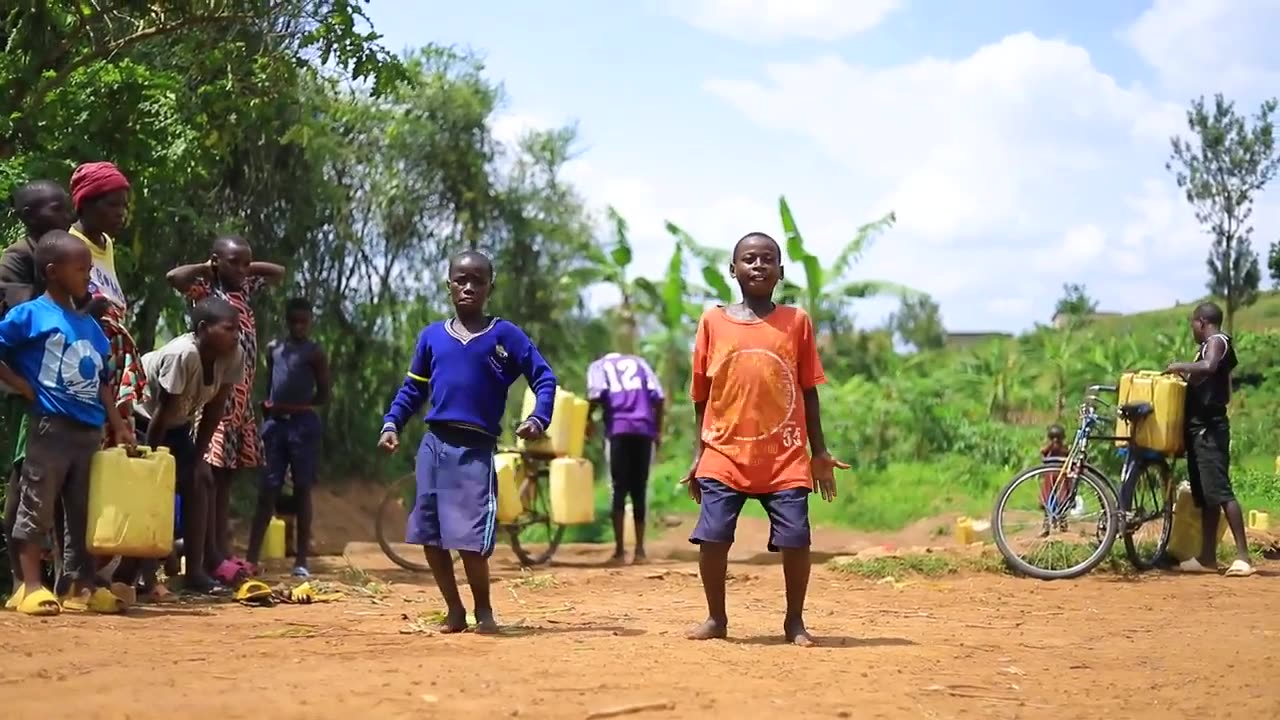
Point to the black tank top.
(1209, 395)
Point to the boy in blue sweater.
(465, 365)
(55, 357)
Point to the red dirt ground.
(582, 639)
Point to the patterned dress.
(104, 283)
(236, 443)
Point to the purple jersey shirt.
(629, 391)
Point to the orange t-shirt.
(752, 375)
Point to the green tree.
(1075, 302)
(918, 322)
(1273, 264)
(1228, 160)
(826, 293)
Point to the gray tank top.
(293, 375)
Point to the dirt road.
(583, 639)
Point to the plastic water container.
(1162, 430)
(1185, 537)
(273, 543)
(572, 495)
(1259, 520)
(581, 410)
(558, 437)
(131, 504)
(507, 467)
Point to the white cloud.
(1012, 170)
(1199, 47)
(773, 20)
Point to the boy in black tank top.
(1208, 439)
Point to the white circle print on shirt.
(762, 408)
(77, 365)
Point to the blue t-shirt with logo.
(62, 354)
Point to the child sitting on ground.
(1055, 448)
(466, 365)
(56, 358)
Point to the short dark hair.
(752, 236)
(1208, 312)
(27, 194)
(213, 310)
(472, 255)
(298, 304)
(1055, 430)
(52, 248)
(224, 242)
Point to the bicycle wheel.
(535, 525)
(1146, 501)
(390, 522)
(1063, 529)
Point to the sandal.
(1193, 566)
(99, 601)
(16, 598)
(127, 594)
(1240, 568)
(160, 595)
(230, 572)
(40, 603)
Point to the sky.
(1021, 143)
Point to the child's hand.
(690, 482)
(530, 430)
(824, 475)
(389, 441)
(118, 435)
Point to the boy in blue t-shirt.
(55, 357)
(465, 364)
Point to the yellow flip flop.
(15, 598)
(99, 601)
(40, 603)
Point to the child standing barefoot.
(465, 364)
(755, 377)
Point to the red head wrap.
(94, 179)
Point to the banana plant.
(712, 262)
(826, 291)
(609, 263)
(669, 304)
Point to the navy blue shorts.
(788, 512)
(457, 505)
(291, 443)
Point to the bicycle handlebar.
(1095, 389)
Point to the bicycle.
(533, 525)
(1145, 494)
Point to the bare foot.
(640, 558)
(486, 623)
(710, 630)
(618, 558)
(797, 635)
(455, 621)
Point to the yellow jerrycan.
(507, 468)
(1259, 520)
(131, 503)
(1162, 430)
(273, 543)
(556, 442)
(1185, 536)
(964, 532)
(573, 499)
(578, 427)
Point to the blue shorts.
(788, 512)
(292, 443)
(457, 505)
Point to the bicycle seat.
(1136, 411)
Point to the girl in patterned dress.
(231, 274)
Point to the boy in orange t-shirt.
(755, 377)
